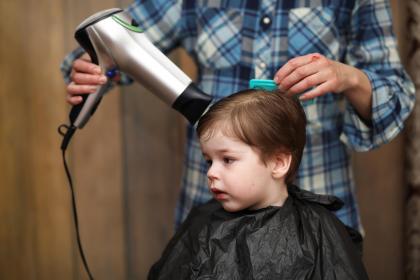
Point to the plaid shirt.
(235, 41)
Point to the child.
(259, 225)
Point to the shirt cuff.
(364, 135)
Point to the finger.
(74, 89)
(310, 81)
(84, 66)
(294, 63)
(300, 74)
(318, 91)
(74, 100)
(88, 79)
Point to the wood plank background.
(382, 189)
(126, 163)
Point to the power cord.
(67, 133)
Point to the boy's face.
(237, 177)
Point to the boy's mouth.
(218, 194)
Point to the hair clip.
(263, 84)
(269, 85)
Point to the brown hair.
(269, 121)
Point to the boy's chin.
(229, 207)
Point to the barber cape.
(300, 240)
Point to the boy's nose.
(212, 172)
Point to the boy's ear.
(281, 165)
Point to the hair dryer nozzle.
(192, 103)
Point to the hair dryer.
(114, 41)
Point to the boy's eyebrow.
(221, 151)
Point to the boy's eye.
(227, 160)
(209, 162)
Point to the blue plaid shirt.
(235, 41)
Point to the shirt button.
(263, 65)
(265, 22)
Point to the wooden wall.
(126, 163)
(36, 238)
(382, 189)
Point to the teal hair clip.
(263, 84)
(269, 85)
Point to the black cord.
(67, 136)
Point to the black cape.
(300, 240)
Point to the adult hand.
(85, 78)
(315, 75)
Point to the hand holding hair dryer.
(114, 41)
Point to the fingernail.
(93, 88)
(102, 80)
(97, 70)
(276, 79)
(315, 57)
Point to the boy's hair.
(269, 121)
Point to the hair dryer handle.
(75, 111)
(81, 112)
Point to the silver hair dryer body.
(114, 41)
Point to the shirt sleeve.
(373, 49)
(161, 22)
